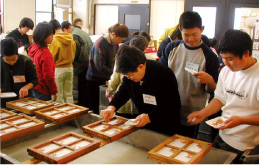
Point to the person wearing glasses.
(18, 73)
(153, 88)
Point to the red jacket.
(45, 68)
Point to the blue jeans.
(40, 96)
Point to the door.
(135, 17)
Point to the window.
(44, 10)
(208, 16)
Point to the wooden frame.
(18, 126)
(180, 150)
(110, 131)
(62, 113)
(74, 144)
(5, 114)
(26, 105)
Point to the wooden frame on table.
(28, 105)
(110, 131)
(5, 114)
(18, 126)
(62, 113)
(180, 150)
(63, 149)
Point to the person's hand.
(107, 113)
(54, 97)
(196, 117)
(233, 121)
(203, 77)
(143, 120)
(23, 92)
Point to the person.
(46, 89)
(80, 63)
(141, 33)
(176, 35)
(101, 62)
(237, 95)
(152, 87)
(19, 34)
(77, 23)
(63, 50)
(167, 32)
(128, 110)
(18, 73)
(191, 53)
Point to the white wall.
(15, 10)
(164, 14)
(80, 10)
(106, 16)
(122, 1)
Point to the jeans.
(40, 96)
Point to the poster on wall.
(256, 36)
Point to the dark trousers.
(219, 143)
(93, 95)
(82, 89)
(189, 131)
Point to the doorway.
(135, 17)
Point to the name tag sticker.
(192, 66)
(148, 99)
(19, 79)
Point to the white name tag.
(192, 66)
(19, 79)
(148, 99)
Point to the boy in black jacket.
(153, 88)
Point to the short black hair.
(55, 23)
(65, 24)
(189, 20)
(9, 47)
(142, 33)
(236, 42)
(128, 59)
(26, 22)
(41, 32)
(139, 42)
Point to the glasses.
(129, 75)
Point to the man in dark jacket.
(152, 87)
(18, 73)
(19, 34)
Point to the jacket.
(20, 39)
(23, 67)
(45, 69)
(81, 60)
(63, 49)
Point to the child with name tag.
(18, 73)
(152, 87)
(237, 95)
(195, 66)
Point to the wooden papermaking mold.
(110, 131)
(28, 105)
(64, 148)
(180, 150)
(5, 114)
(62, 113)
(18, 126)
